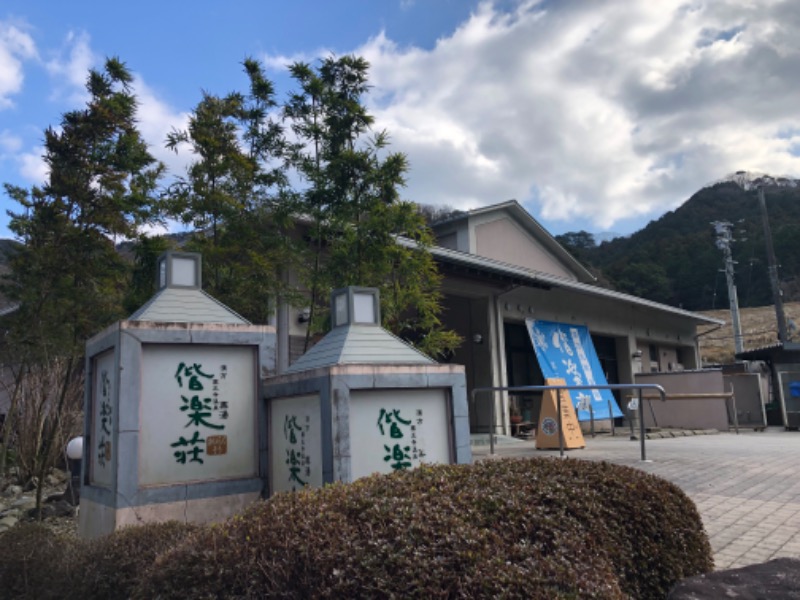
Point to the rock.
(778, 579)
(12, 491)
(56, 509)
(8, 522)
(31, 485)
(24, 502)
(54, 497)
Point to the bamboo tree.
(351, 196)
(236, 196)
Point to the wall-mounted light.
(304, 315)
(477, 338)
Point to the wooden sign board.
(547, 432)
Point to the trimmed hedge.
(540, 528)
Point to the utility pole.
(724, 241)
(773, 270)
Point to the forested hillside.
(675, 259)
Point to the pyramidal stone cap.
(357, 336)
(180, 297)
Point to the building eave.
(480, 265)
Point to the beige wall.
(502, 239)
(687, 413)
(748, 390)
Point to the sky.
(595, 115)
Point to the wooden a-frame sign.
(547, 432)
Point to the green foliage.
(646, 280)
(67, 277)
(236, 197)
(34, 562)
(577, 243)
(352, 201)
(513, 528)
(146, 250)
(675, 260)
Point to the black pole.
(641, 423)
(560, 432)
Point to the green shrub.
(539, 528)
(34, 562)
(109, 567)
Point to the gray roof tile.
(359, 344)
(176, 305)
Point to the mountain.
(675, 259)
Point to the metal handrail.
(544, 388)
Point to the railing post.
(611, 418)
(560, 424)
(641, 424)
(491, 427)
(559, 389)
(733, 408)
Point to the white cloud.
(16, 46)
(32, 166)
(156, 119)
(70, 68)
(280, 63)
(595, 110)
(9, 143)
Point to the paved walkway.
(746, 486)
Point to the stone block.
(777, 579)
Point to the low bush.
(538, 528)
(111, 566)
(34, 562)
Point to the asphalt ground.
(746, 486)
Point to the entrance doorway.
(522, 369)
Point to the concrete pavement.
(746, 486)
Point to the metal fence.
(640, 387)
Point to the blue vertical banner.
(566, 351)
